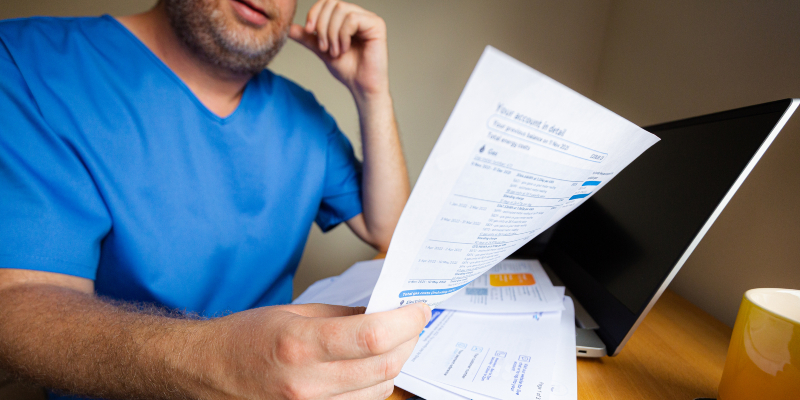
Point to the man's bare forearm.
(74, 342)
(68, 340)
(352, 43)
(385, 180)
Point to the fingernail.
(429, 314)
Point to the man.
(152, 160)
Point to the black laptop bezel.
(615, 320)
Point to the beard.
(225, 42)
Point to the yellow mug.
(764, 355)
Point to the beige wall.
(648, 61)
(674, 59)
(64, 8)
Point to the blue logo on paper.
(434, 314)
(429, 292)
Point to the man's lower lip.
(248, 14)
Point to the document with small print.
(535, 383)
(512, 286)
(518, 153)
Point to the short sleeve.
(341, 197)
(53, 217)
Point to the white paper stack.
(484, 354)
(352, 288)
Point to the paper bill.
(518, 152)
(512, 286)
(564, 382)
(508, 356)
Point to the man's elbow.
(383, 245)
(374, 233)
(379, 239)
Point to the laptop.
(618, 252)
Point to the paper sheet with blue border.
(519, 152)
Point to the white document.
(563, 384)
(513, 286)
(518, 152)
(507, 356)
(352, 288)
(428, 390)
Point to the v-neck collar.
(172, 75)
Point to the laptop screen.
(616, 250)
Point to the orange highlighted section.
(522, 279)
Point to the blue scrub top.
(112, 170)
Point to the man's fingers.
(313, 16)
(309, 40)
(363, 336)
(316, 310)
(335, 23)
(323, 20)
(298, 34)
(349, 28)
(366, 372)
(380, 391)
(351, 375)
(340, 11)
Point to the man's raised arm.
(352, 43)
(56, 333)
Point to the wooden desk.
(677, 353)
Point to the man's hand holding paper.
(316, 350)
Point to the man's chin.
(216, 34)
(239, 60)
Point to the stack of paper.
(489, 354)
(352, 288)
